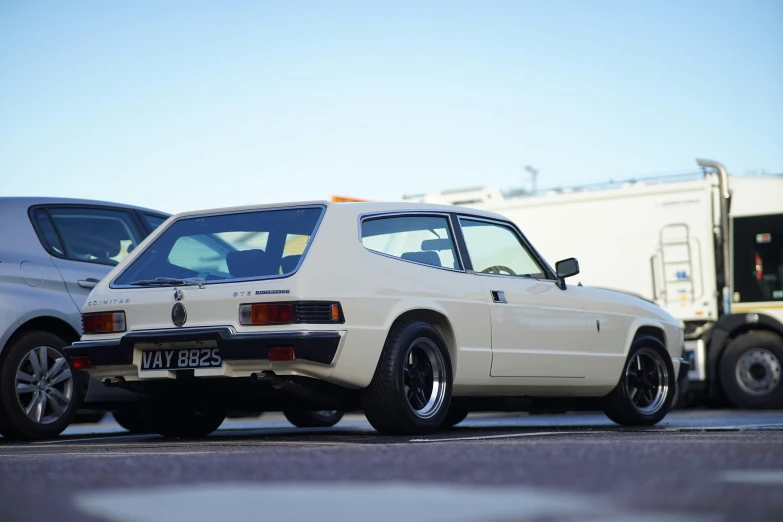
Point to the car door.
(538, 330)
(88, 242)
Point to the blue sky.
(183, 105)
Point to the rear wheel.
(750, 371)
(410, 392)
(314, 419)
(172, 420)
(646, 389)
(454, 417)
(39, 395)
(131, 420)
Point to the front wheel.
(646, 389)
(314, 419)
(410, 392)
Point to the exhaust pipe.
(725, 196)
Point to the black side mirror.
(566, 268)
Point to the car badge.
(178, 314)
(178, 295)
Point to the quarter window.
(496, 249)
(93, 235)
(422, 239)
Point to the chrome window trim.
(159, 233)
(402, 213)
(526, 245)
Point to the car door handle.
(498, 296)
(90, 282)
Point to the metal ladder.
(674, 240)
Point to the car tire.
(643, 398)
(415, 362)
(172, 420)
(314, 419)
(131, 420)
(454, 417)
(750, 371)
(62, 388)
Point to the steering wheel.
(496, 269)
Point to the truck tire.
(410, 392)
(645, 392)
(39, 394)
(314, 419)
(750, 371)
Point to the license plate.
(180, 359)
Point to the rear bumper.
(315, 346)
(682, 374)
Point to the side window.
(48, 235)
(88, 234)
(423, 239)
(496, 249)
(154, 221)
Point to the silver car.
(53, 251)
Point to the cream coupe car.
(416, 314)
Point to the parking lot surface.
(695, 465)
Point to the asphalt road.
(696, 465)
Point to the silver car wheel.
(647, 381)
(424, 378)
(44, 385)
(758, 371)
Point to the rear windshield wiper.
(171, 281)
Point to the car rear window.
(228, 247)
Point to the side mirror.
(566, 268)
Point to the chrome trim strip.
(113, 285)
(209, 329)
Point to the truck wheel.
(410, 392)
(39, 396)
(313, 419)
(750, 371)
(645, 392)
(454, 417)
(171, 420)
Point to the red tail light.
(103, 322)
(281, 354)
(266, 313)
(81, 362)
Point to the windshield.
(227, 247)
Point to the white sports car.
(416, 314)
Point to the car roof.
(24, 202)
(357, 208)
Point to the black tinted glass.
(47, 235)
(758, 258)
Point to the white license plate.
(180, 359)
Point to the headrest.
(288, 263)
(428, 258)
(436, 244)
(248, 263)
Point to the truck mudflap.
(316, 346)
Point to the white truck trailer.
(707, 247)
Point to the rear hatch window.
(228, 247)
